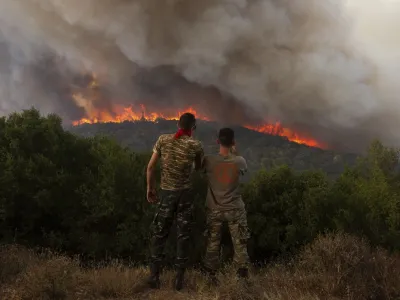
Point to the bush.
(338, 266)
(65, 192)
(346, 266)
(365, 200)
(285, 210)
(13, 261)
(87, 196)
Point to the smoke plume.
(311, 64)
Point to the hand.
(233, 150)
(152, 196)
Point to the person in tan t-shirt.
(225, 204)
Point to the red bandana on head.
(182, 132)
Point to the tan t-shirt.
(223, 174)
(177, 160)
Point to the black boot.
(211, 276)
(178, 283)
(154, 279)
(243, 273)
(212, 279)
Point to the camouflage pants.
(237, 223)
(173, 204)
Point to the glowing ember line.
(122, 114)
(277, 129)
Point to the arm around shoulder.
(199, 158)
(242, 164)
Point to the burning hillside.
(305, 63)
(122, 114)
(93, 92)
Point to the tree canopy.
(86, 195)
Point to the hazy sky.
(298, 62)
(376, 24)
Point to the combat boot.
(154, 279)
(178, 283)
(210, 275)
(212, 279)
(243, 273)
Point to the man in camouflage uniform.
(179, 152)
(225, 204)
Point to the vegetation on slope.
(86, 196)
(261, 150)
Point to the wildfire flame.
(121, 114)
(278, 129)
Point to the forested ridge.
(86, 196)
(262, 151)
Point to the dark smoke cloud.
(265, 60)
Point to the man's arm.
(150, 171)
(233, 150)
(198, 161)
(242, 165)
(151, 190)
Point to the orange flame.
(277, 129)
(122, 114)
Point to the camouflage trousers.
(173, 204)
(237, 223)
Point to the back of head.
(187, 121)
(226, 137)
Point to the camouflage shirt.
(177, 160)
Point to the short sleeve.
(157, 146)
(242, 164)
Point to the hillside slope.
(261, 150)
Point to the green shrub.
(87, 196)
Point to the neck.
(182, 132)
(224, 151)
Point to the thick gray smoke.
(294, 61)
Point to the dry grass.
(333, 267)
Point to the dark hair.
(187, 121)
(226, 137)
